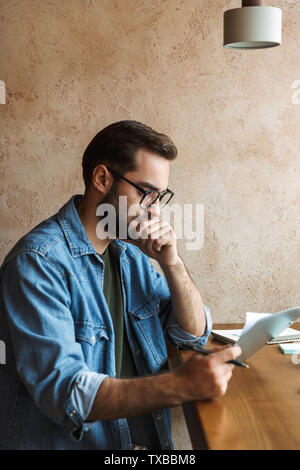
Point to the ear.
(102, 179)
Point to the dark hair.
(117, 144)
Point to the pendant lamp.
(253, 26)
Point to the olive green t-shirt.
(113, 293)
(141, 427)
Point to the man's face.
(152, 172)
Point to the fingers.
(154, 229)
(139, 224)
(222, 387)
(223, 355)
(160, 242)
(218, 348)
(221, 376)
(160, 233)
(204, 378)
(155, 233)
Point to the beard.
(121, 222)
(117, 229)
(112, 198)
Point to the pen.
(198, 348)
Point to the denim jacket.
(59, 336)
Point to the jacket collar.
(74, 231)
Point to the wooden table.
(260, 410)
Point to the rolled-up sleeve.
(178, 335)
(173, 330)
(82, 398)
(50, 363)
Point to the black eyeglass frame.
(145, 192)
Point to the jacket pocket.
(145, 319)
(146, 309)
(90, 333)
(93, 340)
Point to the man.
(84, 315)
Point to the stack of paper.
(290, 348)
(231, 336)
(264, 328)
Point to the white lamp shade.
(254, 27)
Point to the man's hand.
(199, 378)
(207, 377)
(157, 239)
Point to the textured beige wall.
(71, 67)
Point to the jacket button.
(158, 417)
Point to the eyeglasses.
(149, 196)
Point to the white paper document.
(232, 336)
(259, 329)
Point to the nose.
(154, 210)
